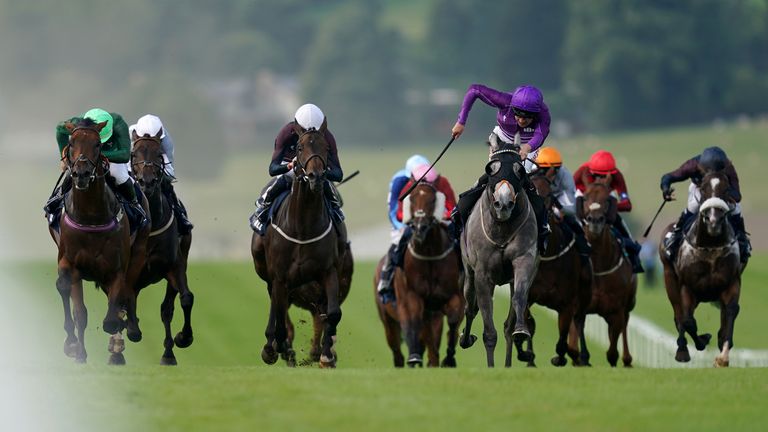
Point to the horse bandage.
(714, 202)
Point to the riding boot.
(128, 192)
(457, 224)
(55, 203)
(582, 244)
(395, 257)
(745, 247)
(541, 213)
(184, 225)
(631, 247)
(333, 197)
(260, 216)
(673, 238)
(467, 200)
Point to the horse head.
(542, 180)
(311, 154)
(83, 153)
(715, 202)
(597, 207)
(505, 171)
(425, 210)
(147, 161)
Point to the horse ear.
(159, 133)
(550, 174)
(297, 128)
(101, 126)
(134, 135)
(324, 126)
(69, 126)
(519, 170)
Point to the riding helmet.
(309, 116)
(527, 98)
(98, 115)
(602, 162)
(549, 157)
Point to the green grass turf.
(222, 384)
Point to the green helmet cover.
(98, 115)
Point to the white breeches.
(168, 166)
(694, 198)
(119, 171)
(510, 140)
(395, 235)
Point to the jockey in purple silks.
(521, 112)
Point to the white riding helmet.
(148, 125)
(309, 116)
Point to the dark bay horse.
(498, 246)
(95, 244)
(707, 268)
(304, 257)
(427, 288)
(614, 286)
(167, 250)
(562, 283)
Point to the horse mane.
(84, 122)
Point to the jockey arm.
(489, 96)
(396, 186)
(541, 132)
(620, 186)
(581, 177)
(444, 186)
(334, 172)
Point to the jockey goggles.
(523, 114)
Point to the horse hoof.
(269, 355)
(559, 361)
(112, 326)
(327, 362)
(448, 362)
(466, 342)
(168, 361)
(531, 364)
(70, 349)
(290, 358)
(703, 341)
(525, 356)
(415, 360)
(80, 359)
(682, 356)
(134, 335)
(183, 341)
(117, 359)
(721, 362)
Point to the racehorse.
(498, 246)
(167, 251)
(614, 286)
(707, 268)
(562, 283)
(427, 287)
(95, 244)
(304, 257)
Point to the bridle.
(300, 167)
(83, 158)
(159, 168)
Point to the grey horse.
(498, 246)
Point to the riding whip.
(348, 178)
(647, 230)
(416, 183)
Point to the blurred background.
(390, 75)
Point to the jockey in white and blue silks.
(149, 126)
(396, 185)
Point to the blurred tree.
(351, 71)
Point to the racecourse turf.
(222, 384)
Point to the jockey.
(116, 147)
(396, 252)
(149, 126)
(522, 112)
(564, 190)
(711, 159)
(308, 116)
(603, 165)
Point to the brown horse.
(304, 257)
(426, 288)
(614, 286)
(707, 268)
(562, 282)
(167, 251)
(95, 244)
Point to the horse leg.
(564, 320)
(64, 287)
(166, 316)
(268, 353)
(672, 286)
(689, 322)
(392, 332)
(435, 330)
(178, 280)
(509, 325)
(485, 303)
(113, 321)
(80, 315)
(317, 334)
(730, 300)
(626, 357)
(333, 317)
(577, 333)
(525, 270)
(614, 322)
(410, 309)
(289, 355)
(528, 356)
(454, 312)
(470, 308)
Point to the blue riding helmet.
(713, 159)
(415, 161)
